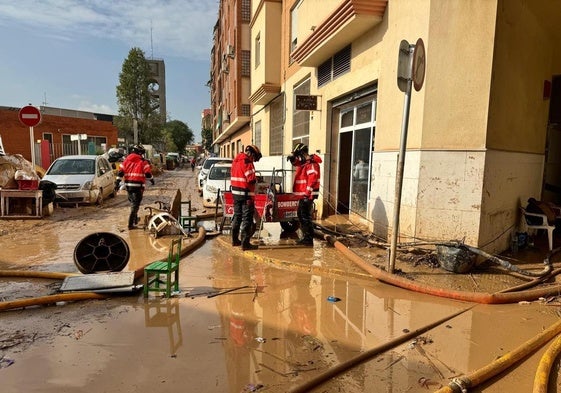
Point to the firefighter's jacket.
(243, 177)
(306, 179)
(135, 170)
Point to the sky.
(69, 53)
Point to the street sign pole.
(32, 144)
(404, 82)
(411, 70)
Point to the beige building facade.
(482, 135)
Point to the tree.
(136, 104)
(206, 134)
(178, 136)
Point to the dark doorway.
(343, 183)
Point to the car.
(81, 179)
(206, 167)
(218, 178)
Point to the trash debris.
(5, 362)
(252, 388)
(260, 339)
(333, 299)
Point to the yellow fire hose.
(494, 368)
(67, 297)
(541, 379)
(334, 371)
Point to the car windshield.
(208, 163)
(72, 167)
(219, 173)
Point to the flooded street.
(243, 322)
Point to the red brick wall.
(15, 136)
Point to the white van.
(206, 168)
(218, 178)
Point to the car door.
(105, 176)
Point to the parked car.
(84, 179)
(218, 178)
(206, 167)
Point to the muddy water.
(278, 333)
(273, 335)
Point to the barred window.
(335, 66)
(245, 110)
(301, 118)
(257, 134)
(246, 63)
(257, 50)
(276, 126)
(246, 11)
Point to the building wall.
(16, 139)
(476, 133)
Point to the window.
(294, 26)
(246, 60)
(335, 66)
(245, 110)
(301, 118)
(257, 50)
(276, 126)
(257, 134)
(246, 11)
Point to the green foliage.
(207, 139)
(136, 102)
(178, 135)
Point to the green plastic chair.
(160, 276)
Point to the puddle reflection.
(164, 313)
(290, 331)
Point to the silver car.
(84, 179)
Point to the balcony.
(347, 22)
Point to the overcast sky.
(69, 53)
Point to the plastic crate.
(28, 184)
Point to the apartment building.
(482, 134)
(230, 78)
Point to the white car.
(81, 179)
(218, 178)
(206, 167)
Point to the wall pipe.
(484, 298)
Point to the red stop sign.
(29, 116)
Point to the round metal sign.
(29, 116)
(419, 65)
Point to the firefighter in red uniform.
(242, 182)
(306, 186)
(135, 170)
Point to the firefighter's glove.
(290, 158)
(152, 181)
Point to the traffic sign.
(419, 64)
(29, 116)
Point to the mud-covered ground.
(275, 334)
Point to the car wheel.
(99, 199)
(113, 193)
